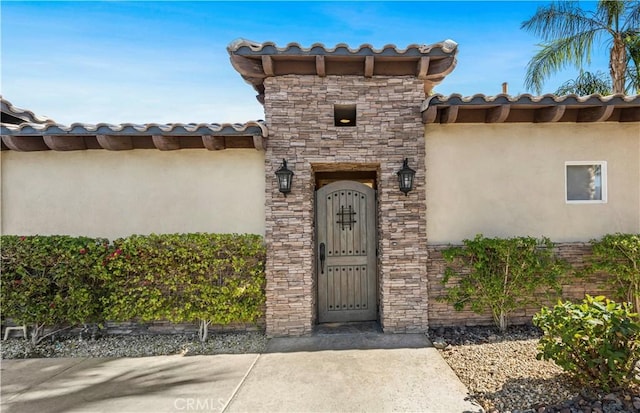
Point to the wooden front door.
(346, 252)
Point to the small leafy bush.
(504, 274)
(618, 255)
(209, 278)
(51, 280)
(597, 341)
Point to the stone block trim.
(152, 328)
(442, 314)
(300, 114)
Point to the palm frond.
(632, 16)
(633, 81)
(555, 56)
(561, 19)
(609, 12)
(587, 83)
(632, 44)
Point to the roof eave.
(257, 61)
(29, 137)
(23, 115)
(527, 108)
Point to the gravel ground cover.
(135, 346)
(503, 374)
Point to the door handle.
(322, 257)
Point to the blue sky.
(167, 62)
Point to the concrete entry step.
(347, 328)
(347, 336)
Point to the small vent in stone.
(344, 115)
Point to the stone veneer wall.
(149, 328)
(442, 314)
(299, 112)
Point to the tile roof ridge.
(21, 113)
(447, 46)
(534, 98)
(141, 128)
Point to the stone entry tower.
(333, 111)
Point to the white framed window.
(585, 182)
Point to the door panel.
(346, 229)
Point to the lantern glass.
(405, 177)
(285, 177)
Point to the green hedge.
(211, 278)
(51, 280)
(618, 256)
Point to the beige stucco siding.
(113, 194)
(509, 180)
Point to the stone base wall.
(300, 114)
(442, 314)
(166, 327)
(151, 328)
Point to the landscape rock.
(135, 346)
(503, 375)
(440, 343)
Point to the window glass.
(585, 182)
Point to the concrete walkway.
(340, 373)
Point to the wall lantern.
(405, 177)
(285, 176)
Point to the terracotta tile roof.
(80, 136)
(257, 61)
(526, 99)
(12, 114)
(527, 108)
(170, 129)
(293, 48)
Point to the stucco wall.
(508, 180)
(113, 194)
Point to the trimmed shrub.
(210, 278)
(51, 280)
(618, 255)
(597, 341)
(504, 274)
